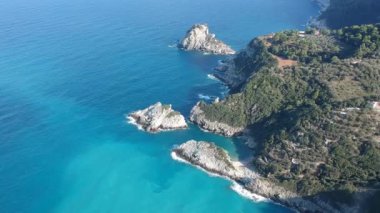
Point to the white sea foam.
(132, 121)
(179, 159)
(247, 194)
(212, 77)
(205, 97)
(220, 62)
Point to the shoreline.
(245, 181)
(235, 186)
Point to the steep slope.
(317, 131)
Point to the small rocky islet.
(157, 117)
(198, 38)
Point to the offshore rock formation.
(157, 118)
(198, 38)
(198, 117)
(207, 156)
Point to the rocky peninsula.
(213, 159)
(198, 117)
(157, 117)
(199, 38)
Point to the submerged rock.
(158, 117)
(198, 38)
(213, 159)
(198, 117)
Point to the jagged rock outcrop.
(215, 160)
(157, 117)
(198, 117)
(198, 38)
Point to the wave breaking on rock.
(215, 161)
(156, 118)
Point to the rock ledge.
(198, 117)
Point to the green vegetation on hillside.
(365, 39)
(311, 47)
(316, 130)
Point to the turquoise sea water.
(70, 70)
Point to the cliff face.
(198, 38)
(198, 116)
(237, 70)
(157, 118)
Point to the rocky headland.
(213, 159)
(198, 117)
(157, 117)
(236, 71)
(198, 38)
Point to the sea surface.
(69, 72)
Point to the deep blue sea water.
(71, 69)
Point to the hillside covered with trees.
(317, 131)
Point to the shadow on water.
(243, 152)
(202, 61)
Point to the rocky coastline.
(199, 38)
(198, 117)
(227, 73)
(216, 161)
(157, 117)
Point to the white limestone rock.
(216, 161)
(158, 117)
(198, 38)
